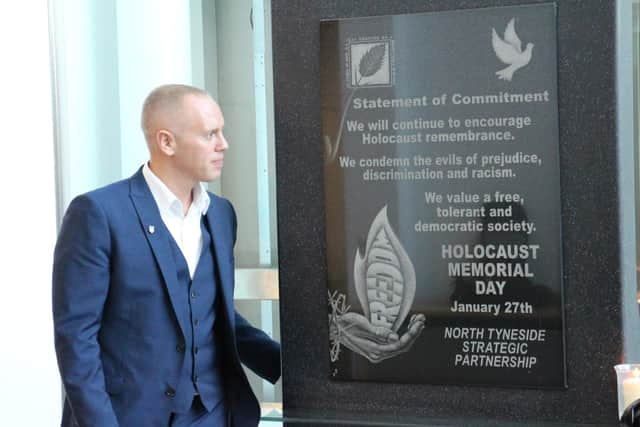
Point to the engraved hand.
(376, 343)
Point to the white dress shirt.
(185, 229)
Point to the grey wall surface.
(594, 343)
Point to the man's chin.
(212, 176)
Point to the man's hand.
(376, 343)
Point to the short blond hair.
(165, 98)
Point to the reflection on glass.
(636, 115)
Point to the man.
(145, 329)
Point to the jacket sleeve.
(80, 288)
(256, 349)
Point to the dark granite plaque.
(442, 197)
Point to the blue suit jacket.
(117, 315)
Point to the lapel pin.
(152, 229)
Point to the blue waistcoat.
(202, 372)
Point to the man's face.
(199, 142)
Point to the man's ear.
(166, 142)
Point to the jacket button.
(169, 392)
(180, 348)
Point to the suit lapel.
(156, 235)
(222, 241)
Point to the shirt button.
(195, 322)
(195, 379)
(195, 350)
(193, 294)
(169, 392)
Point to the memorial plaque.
(442, 197)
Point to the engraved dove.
(510, 51)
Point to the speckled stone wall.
(586, 78)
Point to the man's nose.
(222, 144)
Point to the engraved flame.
(384, 277)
